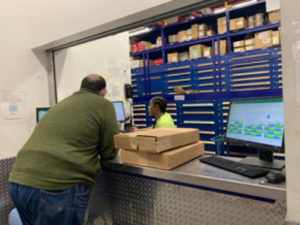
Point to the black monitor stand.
(265, 159)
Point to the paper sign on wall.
(12, 106)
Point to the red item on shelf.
(134, 48)
(141, 46)
(180, 19)
(158, 61)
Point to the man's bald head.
(94, 82)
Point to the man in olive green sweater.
(51, 180)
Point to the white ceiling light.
(145, 30)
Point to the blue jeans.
(50, 207)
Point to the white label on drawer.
(179, 98)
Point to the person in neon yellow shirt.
(157, 108)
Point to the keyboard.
(235, 167)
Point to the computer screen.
(120, 113)
(257, 123)
(40, 112)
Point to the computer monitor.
(40, 112)
(258, 123)
(120, 113)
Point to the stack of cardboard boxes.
(239, 46)
(274, 16)
(163, 148)
(249, 44)
(238, 23)
(222, 47)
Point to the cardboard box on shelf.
(173, 38)
(183, 56)
(240, 49)
(202, 33)
(165, 160)
(259, 19)
(195, 31)
(173, 57)
(207, 52)
(210, 32)
(189, 32)
(222, 29)
(249, 47)
(189, 37)
(158, 42)
(274, 16)
(182, 35)
(276, 37)
(196, 51)
(156, 140)
(263, 39)
(250, 41)
(221, 21)
(151, 63)
(202, 27)
(237, 44)
(238, 23)
(223, 46)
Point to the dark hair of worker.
(161, 102)
(93, 82)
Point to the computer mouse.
(275, 177)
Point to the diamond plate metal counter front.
(6, 203)
(122, 199)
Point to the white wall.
(25, 24)
(290, 19)
(108, 57)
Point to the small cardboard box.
(238, 23)
(249, 42)
(151, 62)
(249, 47)
(165, 160)
(189, 32)
(158, 41)
(276, 37)
(173, 57)
(210, 32)
(202, 33)
(182, 35)
(196, 51)
(207, 52)
(237, 44)
(274, 16)
(183, 56)
(156, 140)
(222, 47)
(263, 39)
(240, 49)
(195, 31)
(202, 27)
(221, 21)
(189, 37)
(222, 29)
(173, 38)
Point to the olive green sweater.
(64, 147)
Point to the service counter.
(193, 193)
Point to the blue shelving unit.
(218, 79)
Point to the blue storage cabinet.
(217, 79)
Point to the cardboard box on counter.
(165, 160)
(238, 23)
(276, 37)
(156, 140)
(222, 47)
(195, 31)
(274, 16)
(263, 39)
(196, 51)
(237, 44)
(207, 52)
(173, 57)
